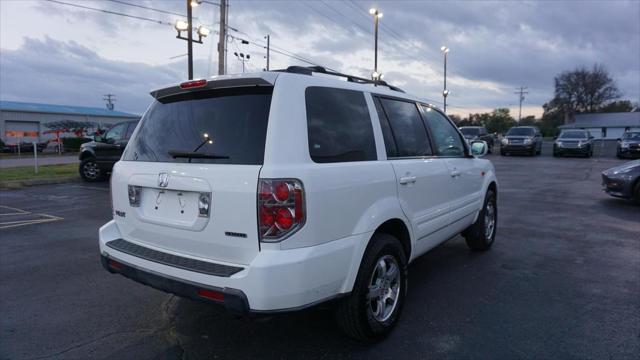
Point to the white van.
(276, 191)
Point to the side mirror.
(97, 138)
(619, 139)
(590, 137)
(479, 148)
(555, 137)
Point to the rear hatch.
(188, 178)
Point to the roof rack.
(309, 70)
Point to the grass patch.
(44, 172)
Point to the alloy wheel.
(384, 288)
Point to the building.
(608, 126)
(26, 122)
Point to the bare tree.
(583, 90)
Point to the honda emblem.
(163, 179)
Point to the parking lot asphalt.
(561, 281)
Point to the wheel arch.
(87, 154)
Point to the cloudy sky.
(56, 53)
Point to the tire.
(478, 236)
(502, 153)
(555, 154)
(636, 193)
(356, 314)
(89, 171)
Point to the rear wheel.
(375, 304)
(482, 233)
(636, 193)
(89, 170)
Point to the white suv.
(277, 191)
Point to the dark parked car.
(471, 133)
(623, 181)
(522, 140)
(97, 157)
(629, 145)
(573, 142)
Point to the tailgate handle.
(407, 180)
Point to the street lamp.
(243, 58)
(445, 92)
(376, 76)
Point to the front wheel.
(90, 171)
(482, 233)
(374, 306)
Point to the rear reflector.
(193, 84)
(116, 265)
(211, 294)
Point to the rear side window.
(338, 126)
(406, 127)
(234, 119)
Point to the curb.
(19, 184)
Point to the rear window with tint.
(234, 119)
(338, 126)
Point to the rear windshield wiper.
(194, 155)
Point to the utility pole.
(110, 98)
(190, 39)
(445, 92)
(222, 41)
(376, 76)
(521, 91)
(268, 38)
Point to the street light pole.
(189, 40)
(445, 92)
(376, 17)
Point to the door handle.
(407, 180)
(455, 173)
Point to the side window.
(116, 133)
(132, 126)
(406, 127)
(338, 126)
(444, 134)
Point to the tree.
(528, 121)
(583, 91)
(498, 121)
(619, 106)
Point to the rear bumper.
(275, 280)
(235, 301)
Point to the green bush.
(73, 143)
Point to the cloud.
(50, 71)
(495, 47)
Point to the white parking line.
(16, 211)
(41, 218)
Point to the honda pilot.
(277, 191)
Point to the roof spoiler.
(210, 84)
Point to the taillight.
(281, 208)
(193, 84)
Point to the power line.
(148, 8)
(111, 12)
